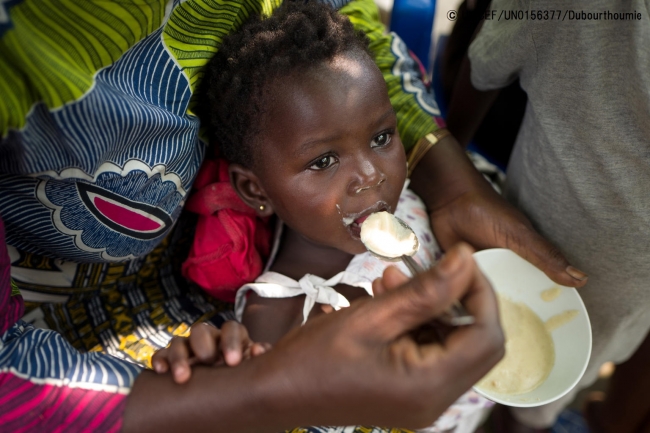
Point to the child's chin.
(355, 247)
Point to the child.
(302, 113)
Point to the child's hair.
(231, 98)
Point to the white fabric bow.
(321, 291)
(315, 289)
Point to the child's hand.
(206, 345)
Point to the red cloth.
(231, 242)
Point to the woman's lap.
(48, 385)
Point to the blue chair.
(412, 20)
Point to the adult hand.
(358, 365)
(464, 207)
(382, 376)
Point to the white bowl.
(520, 281)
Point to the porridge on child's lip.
(383, 234)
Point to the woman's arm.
(468, 106)
(358, 365)
(464, 207)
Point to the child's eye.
(381, 140)
(323, 162)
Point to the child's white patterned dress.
(466, 413)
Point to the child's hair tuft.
(230, 100)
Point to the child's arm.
(206, 345)
(270, 318)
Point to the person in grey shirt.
(580, 170)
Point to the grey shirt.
(580, 169)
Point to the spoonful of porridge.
(390, 239)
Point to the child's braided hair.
(231, 98)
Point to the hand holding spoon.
(389, 238)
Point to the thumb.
(421, 299)
(545, 256)
(391, 279)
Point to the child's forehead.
(340, 95)
(328, 73)
(353, 60)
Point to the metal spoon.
(456, 315)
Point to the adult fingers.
(234, 340)
(486, 220)
(475, 349)
(525, 241)
(203, 342)
(178, 358)
(391, 279)
(378, 287)
(422, 298)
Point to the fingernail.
(575, 273)
(232, 357)
(178, 371)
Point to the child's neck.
(298, 256)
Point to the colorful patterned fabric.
(98, 169)
(131, 316)
(90, 187)
(98, 150)
(351, 429)
(40, 373)
(99, 145)
(11, 303)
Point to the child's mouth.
(360, 221)
(353, 221)
(355, 230)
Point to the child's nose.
(368, 176)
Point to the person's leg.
(627, 401)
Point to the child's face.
(329, 153)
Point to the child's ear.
(249, 189)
